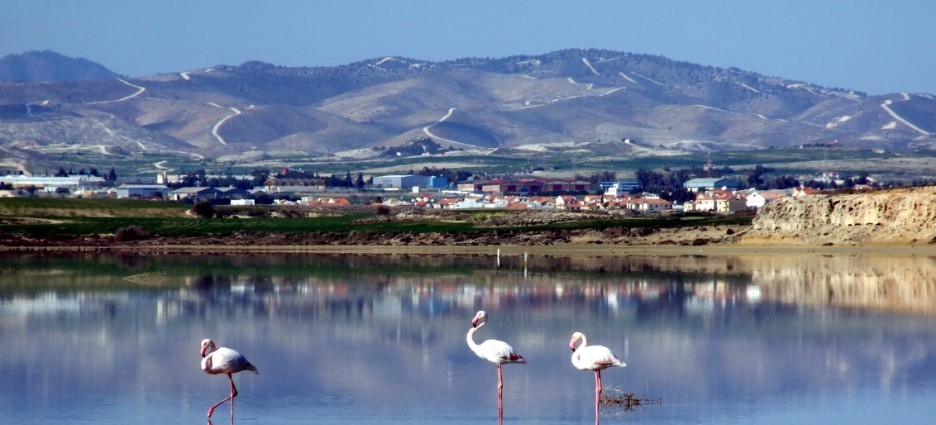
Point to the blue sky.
(867, 45)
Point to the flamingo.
(223, 360)
(494, 351)
(594, 358)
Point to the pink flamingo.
(223, 360)
(494, 351)
(594, 358)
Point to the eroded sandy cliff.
(899, 216)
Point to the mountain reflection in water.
(382, 339)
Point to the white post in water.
(525, 258)
(498, 257)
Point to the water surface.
(381, 340)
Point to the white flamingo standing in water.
(217, 360)
(594, 358)
(494, 351)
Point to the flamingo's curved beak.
(572, 344)
(203, 351)
(474, 322)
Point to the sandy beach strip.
(558, 250)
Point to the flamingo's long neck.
(582, 344)
(470, 337)
(577, 353)
(209, 348)
(206, 363)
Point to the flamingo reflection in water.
(216, 361)
(594, 358)
(494, 351)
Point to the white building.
(654, 205)
(470, 203)
(758, 199)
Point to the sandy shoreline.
(558, 250)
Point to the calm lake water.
(381, 339)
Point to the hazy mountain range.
(585, 101)
(50, 66)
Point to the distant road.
(627, 78)
(441, 120)
(887, 108)
(217, 126)
(649, 79)
(589, 65)
(140, 90)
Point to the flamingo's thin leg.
(500, 394)
(229, 397)
(598, 389)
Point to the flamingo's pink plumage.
(494, 351)
(594, 358)
(218, 360)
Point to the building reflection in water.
(344, 329)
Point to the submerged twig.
(626, 400)
(147, 278)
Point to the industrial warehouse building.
(408, 181)
(142, 191)
(51, 183)
(701, 185)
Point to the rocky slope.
(898, 217)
